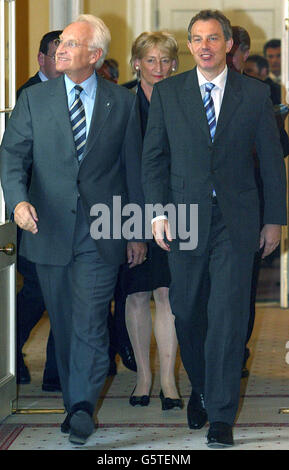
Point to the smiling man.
(202, 127)
(84, 150)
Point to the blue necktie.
(210, 109)
(78, 122)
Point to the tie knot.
(209, 87)
(78, 90)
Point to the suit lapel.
(194, 107)
(193, 103)
(101, 110)
(59, 107)
(231, 100)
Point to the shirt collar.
(42, 77)
(219, 81)
(89, 85)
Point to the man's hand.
(25, 217)
(136, 253)
(160, 228)
(270, 238)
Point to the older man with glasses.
(30, 303)
(86, 150)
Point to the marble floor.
(120, 427)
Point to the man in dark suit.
(201, 130)
(83, 152)
(258, 66)
(46, 61)
(30, 303)
(272, 52)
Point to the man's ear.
(229, 45)
(95, 56)
(40, 58)
(246, 55)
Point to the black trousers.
(210, 298)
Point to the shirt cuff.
(159, 217)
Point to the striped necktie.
(210, 109)
(78, 122)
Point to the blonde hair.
(149, 39)
(101, 36)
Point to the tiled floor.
(121, 427)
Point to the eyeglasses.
(70, 44)
(51, 56)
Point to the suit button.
(73, 211)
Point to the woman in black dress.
(154, 58)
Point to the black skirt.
(148, 276)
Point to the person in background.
(154, 58)
(118, 335)
(257, 66)
(109, 70)
(238, 54)
(272, 52)
(30, 303)
(46, 61)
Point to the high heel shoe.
(170, 403)
(143, 400)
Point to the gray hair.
(205, 15)
(101, 36)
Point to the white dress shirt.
(217, 94)
(87, 95)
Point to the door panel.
(7, 229)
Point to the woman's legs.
(139, 326)
(165, 334)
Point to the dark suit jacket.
(110, 166)
(31, 81)
(181, 165)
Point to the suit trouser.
(210, 298)
(77, 297)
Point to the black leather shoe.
(51, 386)
(245, 373)
(127, 356)
(65, 426)
(143, 400)
(170, 403)
(81, 427)
(196, 413)
(23, 375)
(220, 435)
